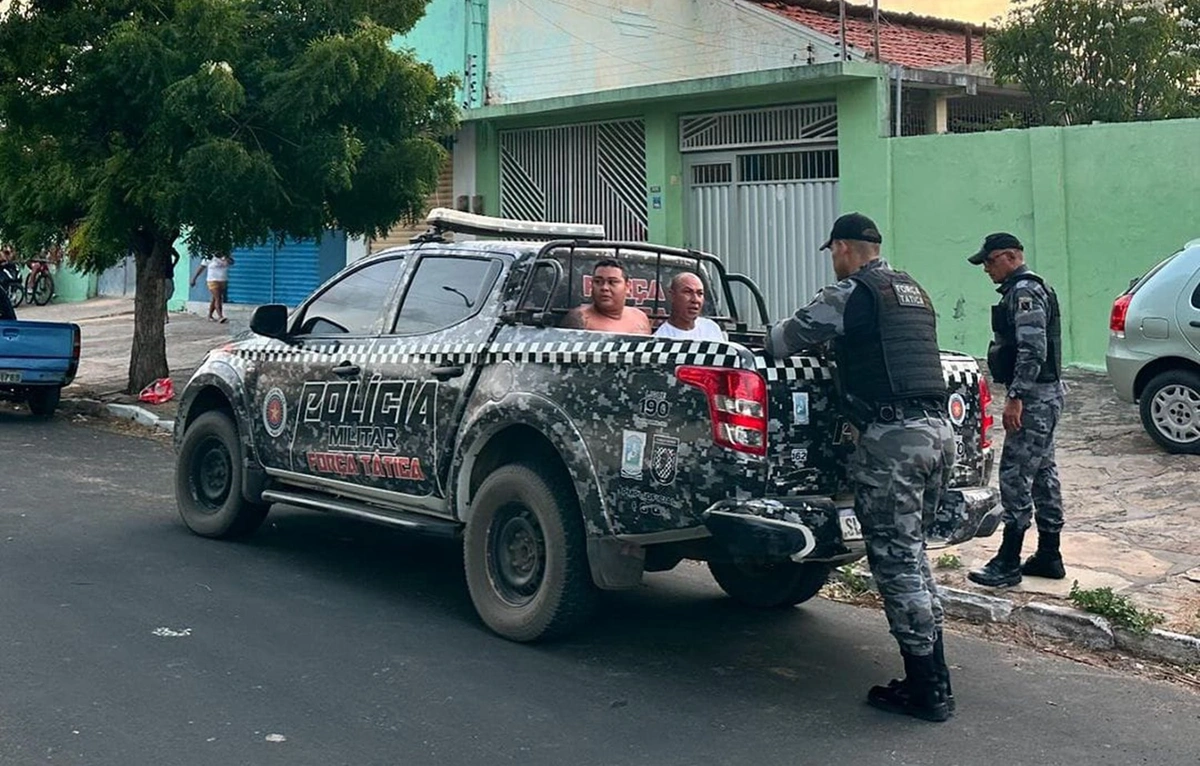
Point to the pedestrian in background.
(1025, 355)
(884, 333)
(218, 282)
(169, 281)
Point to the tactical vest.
(1002, 351)
(897, 357)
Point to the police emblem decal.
(664, 459)
(274, 412)
(800, 408)
(957, 409)
(633, 450)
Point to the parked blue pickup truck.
(36, 360)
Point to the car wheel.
(208, 480)
(43, 400)
(525, 556)
(770, 586)
(1170, 408)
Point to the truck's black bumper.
(819, 529)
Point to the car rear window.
(1146, 278)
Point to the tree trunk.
(148, 360)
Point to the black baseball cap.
(993, 242)
(854, 226)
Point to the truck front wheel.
(770, 586)
(208, 480)
(525, 556)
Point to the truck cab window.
(354, 304)
(444, 291)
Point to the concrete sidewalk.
(1133, 511)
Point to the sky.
(977, 11)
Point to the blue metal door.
(275, 273)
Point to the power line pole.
(878, 55)
(842, 28)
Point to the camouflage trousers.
(1028, 471)
(901, 471)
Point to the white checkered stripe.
(665, 352)
(792, 368)
(396, 352)
(660, 352)
(960, 371)
(354, 352)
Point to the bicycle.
(37, 286)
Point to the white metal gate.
(762, 193)
(593, 173)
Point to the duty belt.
(907, 409)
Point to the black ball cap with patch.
(855, 226)
(993, 242)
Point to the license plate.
(9, 377)
(851, 529)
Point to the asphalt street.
(125, 640)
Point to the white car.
(1154, 349)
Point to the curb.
(1066, 623)
(139, 415)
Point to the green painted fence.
(1095, 205)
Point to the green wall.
(1095, 207)
(71, 286)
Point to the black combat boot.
(1005, 569)
(939, 657)
(919, 695)
(1047, 561)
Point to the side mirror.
(270, 321)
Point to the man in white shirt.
(686, 294)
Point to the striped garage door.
(275, 273)
(593, 173)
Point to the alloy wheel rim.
(1175, 410)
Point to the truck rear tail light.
(985, 421)
(1116, 320)
(76, 348)
(737, 405)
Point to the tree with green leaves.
(1102, 60)
(126, 122)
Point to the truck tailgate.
(809, 442)
(38, 353)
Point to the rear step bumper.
(818, 529)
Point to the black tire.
(43, 289)
(1170, 409)
(770, 586)
(208, 480)
(16, 294)
(525, 555)
(43, 400)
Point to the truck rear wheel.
(525, 556)
(43, 400)
(770, 586)
(208, 480)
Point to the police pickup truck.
(431, 387)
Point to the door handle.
(446, 373)
(347, 370)
(1194, 323)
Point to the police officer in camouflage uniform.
(884, 335)
(1026, 356)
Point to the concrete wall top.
(540, 49)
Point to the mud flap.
(615, 564)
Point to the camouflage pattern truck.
(430, 387)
